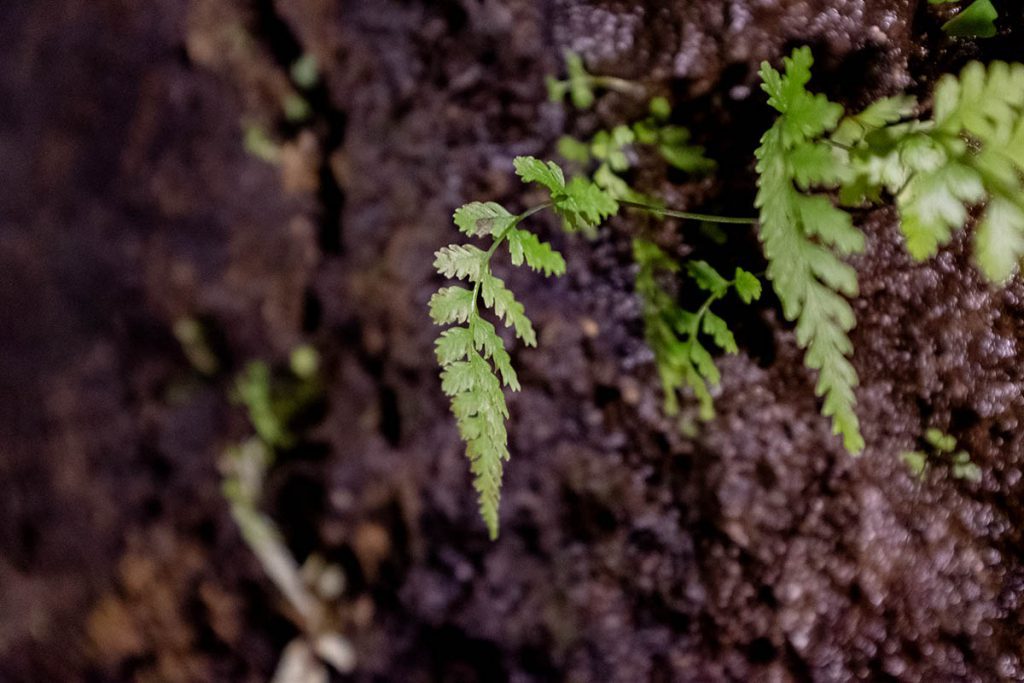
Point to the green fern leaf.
(999, 242)
(464, 262)
(719, 331)
(706, 277)
(539, 256)
(453, 345)
(748, 287)
(486, 340)
(673, 334)
(480, 412)
(499, 298)
(581, 204)
(971, 152)
(549, 174)
(853, 129)
(932, 206)
(451, 305)
(799, 232)
(482, 218)
(473, 358)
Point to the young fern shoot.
(580, 84)
(614, 151)
(673, 333)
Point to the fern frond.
(971, 152)
(473, 358)
(805, 235)
(986, 106)
(673, 333)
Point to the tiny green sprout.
(943, 443)
(963, 468)
(305, 361)
(253, 390)
(189, 333)
(580, 85)
(259, 144)
(660, 108)
(305, 71)
(916, 462)
(296, 108)
(273, 401)
(942, 448)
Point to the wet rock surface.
(757, 550)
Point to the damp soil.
(753, 549)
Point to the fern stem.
(619, 85)
(498, 239)
(699, 316)
(837, 145)
(688, 215)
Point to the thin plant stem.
(688, 215)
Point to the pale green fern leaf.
(451, 305)
(526, 246)
(464, 262)
(482, 218)
(501, 299)
(673, 334)
(999, 242)
(800, 232)
(473, 358)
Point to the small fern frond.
(474, 361)
(674, 334)
(804, 235)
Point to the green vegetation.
(673, 333)
(272, 403)
(813, 161)
(257, 142)
(805, 236)
(969, 153)
(976, 20)
(941, 449)
(611, 152)
(580, 85)
(473, 357)
(475, 363)
(271, 406)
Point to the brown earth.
(756, 550)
